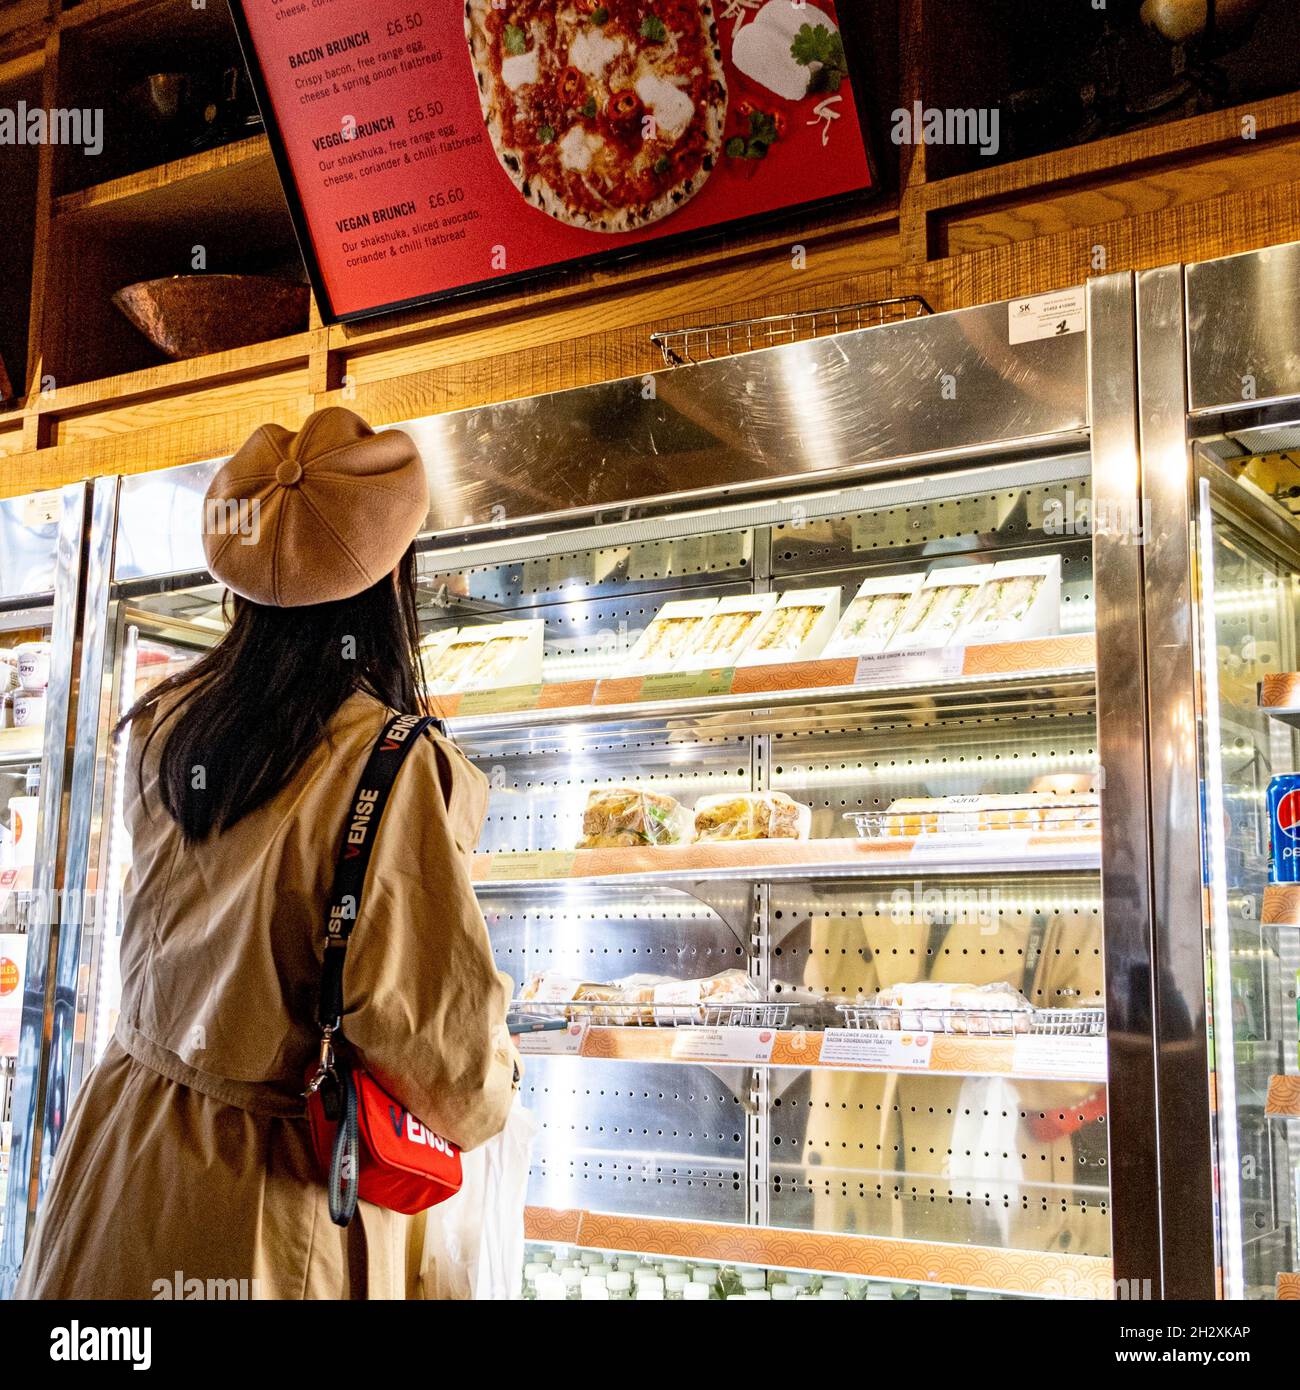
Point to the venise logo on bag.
(363, 812)
(398, 732)
(404, 1121)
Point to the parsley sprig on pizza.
(606, 114)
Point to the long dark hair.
(250, 711)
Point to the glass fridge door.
(1248, 569)
(40, 577)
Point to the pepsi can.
(1284, 829)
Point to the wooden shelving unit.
(957, 227)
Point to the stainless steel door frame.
(1123, 756)
(1188, 1143)
(26, 1147)
(83, 805)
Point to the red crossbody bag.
(368, 1145)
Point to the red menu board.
(429, 149)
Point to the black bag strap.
(365, 811)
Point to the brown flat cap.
(316, 516)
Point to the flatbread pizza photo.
(607, 116)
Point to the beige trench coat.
(186, 1155)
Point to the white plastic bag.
(474, 1241)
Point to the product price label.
(996, 844)
(530, 864)
(503, 701)
(554, 1042)
(887, 1050)
(13, 958)
(1045, 316)
(753, 1045)
(912, 664)
(1069, 1059)
(42, 508)
(688, 685)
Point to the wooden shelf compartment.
(222, 207)
(979, 1267)
(106, 49)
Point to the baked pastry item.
(640, 999)
(621, 817)
(751, 816)
(934, 1007)
(1078, 812)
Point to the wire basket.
(758, 1014)
(1074, 816)
(977, 1023)
(687, 346)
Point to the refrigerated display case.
(1221, 425)
(41, 549)
(963, 1150)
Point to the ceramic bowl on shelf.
(190, 315)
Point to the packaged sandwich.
(670, 634)
(1021, 598)
(751, 816)
(639, 999)
(489, 656)
(796, 629)
(939, 606)
(872, 617)
(727, 631)
(932, 1007)
(726, 987)
(550, 987)
(432, 647)
(618, 817)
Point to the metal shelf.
(1048, 1274)
(990, 852)
(1074, 1058)
(624, 1014)
(19, 746)
(1006, 678)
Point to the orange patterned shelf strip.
(1281, 690)
(961, 1056)
(1048, 1275)
(1282, 905)
(1283, 1096)
(1047, 655)
(853, 855)
(950, 1054)
(1288, 1288)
